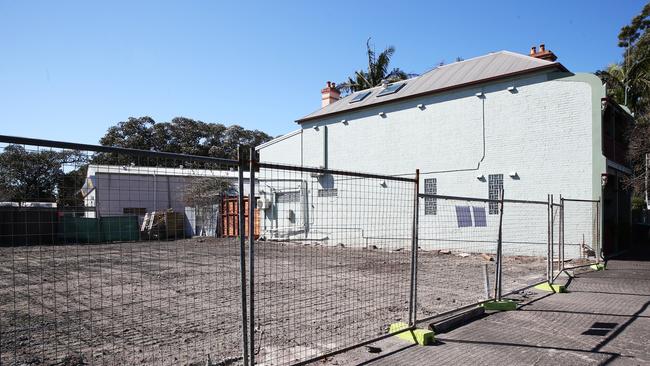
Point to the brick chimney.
(329, 94)
(543, 53)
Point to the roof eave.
(555, 65)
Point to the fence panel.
(557, 251)
(581, 231)
(332, 262)
(111, 256)
(457, 237)
(525, 244)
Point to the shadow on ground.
(604, 319)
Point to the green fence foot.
(598, 267)
(503, 305)
(551, 288)
(421, 337)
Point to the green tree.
(628, 83)
(378, 71)
(206, 191)
(37, 176)
(205, 195)
(181, 135)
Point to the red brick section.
(543, 53)
(329, 94)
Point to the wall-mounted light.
(316, 128)
(480, 95)
(383, 184)
(480, 177)
(382, 114)
(345, 122)
(512, 89)
(421, 106)
(514, 175)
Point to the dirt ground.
(179, 302)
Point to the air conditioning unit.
(263, 203)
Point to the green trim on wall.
(599, 162)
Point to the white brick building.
(116, 190)
(525, 121)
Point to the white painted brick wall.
(543, 132)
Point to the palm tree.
(377, 72)
(614, 77)
(628, 82)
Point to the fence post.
(414, 253)
(549, 238)
(599, 251)
(499, 259)
(242, 251)
(251, 253)
(561, 237)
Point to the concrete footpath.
(603, 319)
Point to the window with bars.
(328, 192)
(495, 185)
(430, 203)
(288, 197)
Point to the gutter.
(278, 139)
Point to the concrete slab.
(603, 319)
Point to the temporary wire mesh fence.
(525, 232)
(557, 252)
(97, 260)
(116, 256)
(332, 262)
(581, 231)
(457, 240)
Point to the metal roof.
(458, 74)
(94, 169)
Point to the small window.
(463, 216)
(479, 216)
(391, 89)
(430, 203)
(360, 96)
(288, 197)
(328, 192)
(495, 185)
(134, 211)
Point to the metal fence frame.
(255, 165)
(597, 235)
(247, 244)
(154, 156)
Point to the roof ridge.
(483, 68)
(462, 61)
(534, 59)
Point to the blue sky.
(71, 69)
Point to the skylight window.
(391, 89)
(359, 97)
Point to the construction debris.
(163, 225)
(487, 257)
